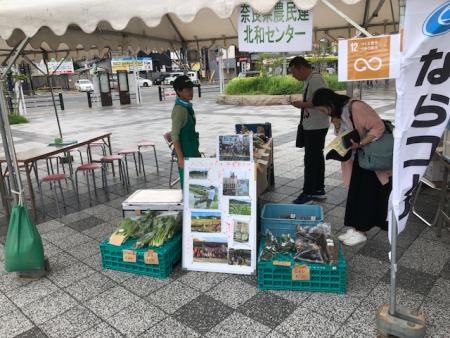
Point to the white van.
(171, 77)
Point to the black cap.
(182, 82)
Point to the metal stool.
(85, 168)
(100, 145)
(173, 158)
(147, 144)
(128, 152)
(109, 159)
(53, 178)
(433, 185)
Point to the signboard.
(423, 98)
(56, 67)
(219, 223)
(130, 64)
(369, 58)
(285, 29)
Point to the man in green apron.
(184, 137)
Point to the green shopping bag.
(23, 247)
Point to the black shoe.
(319, 195)
(303, 199)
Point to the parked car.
(160, 79)
(144, 82)
(250, 73)
(171, 77)
(84, 86)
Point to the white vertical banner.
(423, 98)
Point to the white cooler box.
(152, 199)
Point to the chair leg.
(94, 183)
(139, 151)
(89, 189)
(42, 198)
(126, 167)
(156, 160)
(62, 196)
(76, 189)
(141, 161)
(170, 174)
(56, 201)
(135, 164)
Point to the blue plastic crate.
(275, 217)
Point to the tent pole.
(394, 234)
(346, 18)
(49, 79)
(5, 129)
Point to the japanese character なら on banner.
(423, 98)
(285, 29)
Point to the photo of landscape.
(240, 207)
(206, 221)
(198, 174)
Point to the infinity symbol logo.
(374, 63)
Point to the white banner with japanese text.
(285, 29)
(423, 97)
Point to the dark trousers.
(314, 161)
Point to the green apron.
(189, 138)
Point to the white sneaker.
(355, 239)
(346, 235)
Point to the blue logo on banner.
(438, 22)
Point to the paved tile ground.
(79, 299)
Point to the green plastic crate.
(168, 254)
(323, 277)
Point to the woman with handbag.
(368, 190)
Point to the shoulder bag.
(300, 140)
(378, 154)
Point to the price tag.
(282, 263)
(137, 212)
(129, 256)
(151, 257)
(301, 272)
(116, 239)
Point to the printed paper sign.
(130, 64)
(369, 58)
(285, 29)
(301, 272)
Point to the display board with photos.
(219, 223)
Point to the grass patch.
(17, 119)
(274, 85)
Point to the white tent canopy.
(85, 26)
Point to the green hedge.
(17, 119)
(274, 85)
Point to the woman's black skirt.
(367, 200)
